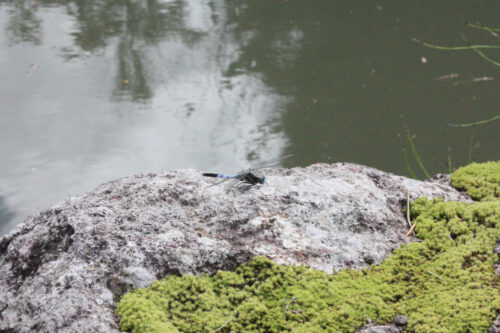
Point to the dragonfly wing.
(235, 183)
(228, 182)
(220, 182)
(270, 163)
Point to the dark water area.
(96, 90)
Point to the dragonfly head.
(252, 179)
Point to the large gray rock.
(64, 269)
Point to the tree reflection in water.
(129, 25)
(23, 25)
(123, 87)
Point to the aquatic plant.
(476, 123)
(415, 155)
(469, 46)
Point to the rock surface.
(64, 269)
(391, 328)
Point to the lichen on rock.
(445, 282)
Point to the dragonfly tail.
(208, 174)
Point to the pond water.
(94, 90)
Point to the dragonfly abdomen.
(217, 175)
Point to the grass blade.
(416, 155)
(456, 48)
(483, 27)
(408, 167)
(481, 122)
(450, 168)
(485, 57)
(471, 144)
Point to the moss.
(481, 181)
(444, 283)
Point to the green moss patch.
(443, 283)
(481, 181)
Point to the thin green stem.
(455, 48)
(408, 167)
(450, 168)
(416, 155)
(485, 57)
(481, 122)
(471, 144)
(483, 27)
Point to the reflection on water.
(358, 80)
(23, 25)
(116, 88)
(101, 89)
(130, 25)
(6, 214)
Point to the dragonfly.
(247, 177)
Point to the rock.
(64, 269)
(495, 328)
(401, 320)
(396, 327)
(380, 329)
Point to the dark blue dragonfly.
(247, 177)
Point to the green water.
(96, 90)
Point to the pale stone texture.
(64, 269)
